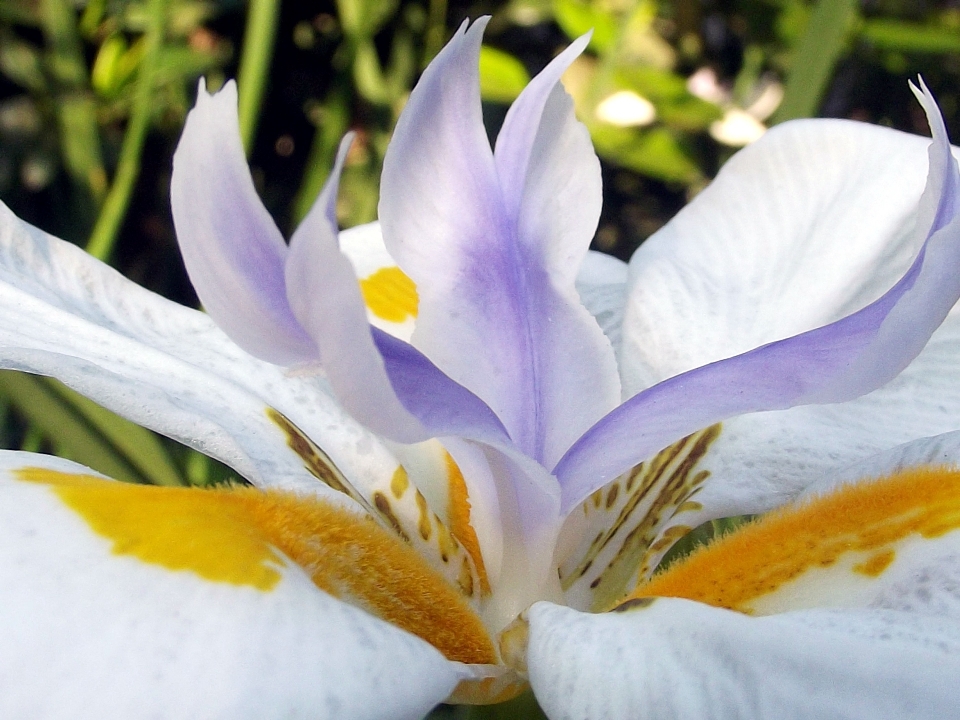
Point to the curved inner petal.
(834, 363)
(326, 300)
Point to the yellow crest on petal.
(821, 552)
(205, 532)
(243, 536)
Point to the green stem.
(258, 40)
(815, 57)
(114, 209)
(331, 128)
(76, 110)
(435, 34)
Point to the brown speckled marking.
(446, 542)
(394, 514)
(322, 467)
(465, 579)
(382, 503)
(314, 459)
(612, 494)
(662, 487)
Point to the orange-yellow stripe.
(863, 518)
(230, 535)
(458, 511)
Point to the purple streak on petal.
(550, 178)
(834, 363)
(382, 381)
(443, 222)
(326, 300)
(493, 316)
(441, 405)
(231, 247)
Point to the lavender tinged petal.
(382, 381)
(443, 222)
(440, 404)
(326, 301)
(232, 249)
(550, 179)
(834, 363)
(492, 315)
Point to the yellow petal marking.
(176, 528)
(232, 535)
(390, 294)
(458, 512)
(862, 520)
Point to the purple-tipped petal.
(382, 381)
(325, 299)
(231, 247)
(834, 363)
(497, 313)
(441, 405)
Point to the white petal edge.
(679, 660)
(808, 224)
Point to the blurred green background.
(93, 95)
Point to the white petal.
(602, 285)
(166, 367)
(765, 459)
(684, 661)
(805, 226)
(88, 632)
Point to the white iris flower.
(466, 459)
